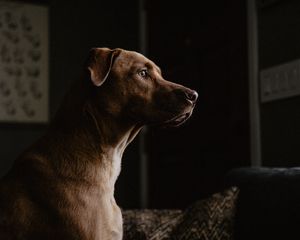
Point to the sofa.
(255, 203)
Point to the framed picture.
(24, 63)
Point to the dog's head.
(134, 87)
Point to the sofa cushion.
(143, 224)
(211, 218)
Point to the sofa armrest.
(268, 206)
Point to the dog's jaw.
(178, 120)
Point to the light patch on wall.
(24, 63)
(279, 82)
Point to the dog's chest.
(116, 167)
(111, 223)
(96, 217)
(110, 170)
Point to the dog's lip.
(178, 120)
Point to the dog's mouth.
(178, 120)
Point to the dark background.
(202, 45)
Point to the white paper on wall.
(23, 63)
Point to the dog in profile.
(62, 187)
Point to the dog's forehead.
(133, 59)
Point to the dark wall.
(205, 48)
(75, 27)
(279, 38)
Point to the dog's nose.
(191, 95)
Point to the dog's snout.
(187, 94)
(191, 95)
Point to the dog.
(62, 187)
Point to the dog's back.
(19, 210)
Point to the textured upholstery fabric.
(211, 218)
(150, 224)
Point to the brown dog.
(63, 186)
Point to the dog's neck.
(91, 140)
(99, 140)
(111, 131)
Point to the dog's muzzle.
(191, 97)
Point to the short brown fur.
(62, 187)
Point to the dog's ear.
(99, 64)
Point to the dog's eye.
(143, 73)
